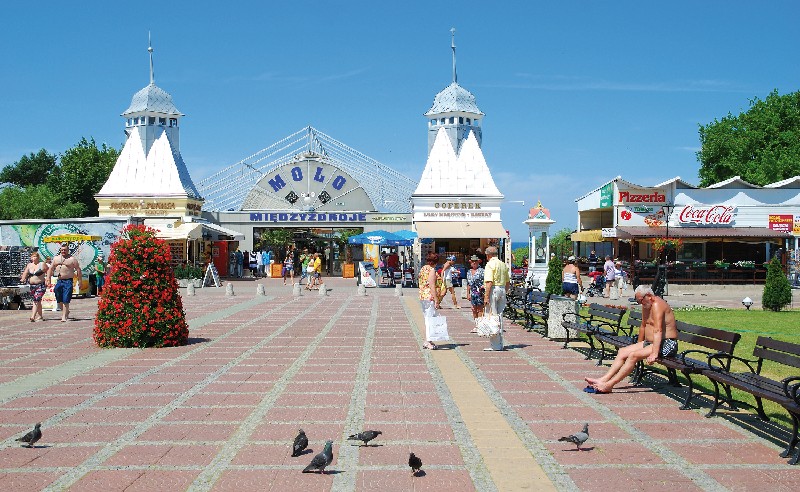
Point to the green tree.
(561, 244)
(553, 284)
(83, 171)
(33, 169)
(762, 145)
(36, 202)
(777, 291)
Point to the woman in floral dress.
(427, 290)
(476, 288)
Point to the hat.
(474, 258)
(571, 258)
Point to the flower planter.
(183, 282)
(197, 282)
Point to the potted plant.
(187, 273)
(721, 264)
(745, 264)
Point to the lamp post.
(667, 210)
(747, 302)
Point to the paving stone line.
(46, 377)
(211, 473)
(348, 455)
(76, 473)
(701, 479)
(541, 454)
(473, 460)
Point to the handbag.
(436, 329)
(310, 269)
(488, 325)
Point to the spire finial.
(453, 45)
(150, 50)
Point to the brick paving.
(221, 413)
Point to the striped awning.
(588, 236)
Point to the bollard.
(464, 291)
(398, 290)
(229, 290)
(323, 291)
(297, 291)
(362, 291)
(190, 290)
(260, 290)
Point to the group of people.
(40, 272)
(613, 274)
(487, 287)
(309, 266)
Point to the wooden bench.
(707, 342)
(537, 307)
(601, 319)
(516, 303)
(785, 393)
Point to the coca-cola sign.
(708, 215)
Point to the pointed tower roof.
(160, 172)
(454, 98)
(539, 215)
(152, 99)
(464, 174)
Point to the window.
(452, 120)
(152, 120)
(433, 122)
(460, 120)
(692, 252)
(468, 121)
(442, 121)
(173, 122)
(162, 121)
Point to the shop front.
(724, 233)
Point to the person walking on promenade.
(593, 261)
(448, 270)
(428, 297)
(571, 279)
(496, 281)
(658, 337)
(34, 275)
(608, 271)
(288, 265)
(67, 270)
(315, 272)
(100, 273)
(477, 290)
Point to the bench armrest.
(719, 357)
(791, 387)
(682, 356)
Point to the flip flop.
(592, 389)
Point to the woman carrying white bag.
(429, 300)
(496, 280)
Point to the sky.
(574, 93)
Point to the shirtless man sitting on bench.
(658, 330)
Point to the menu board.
(177, 252)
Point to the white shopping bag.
(436, 329)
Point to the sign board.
(723, 215)
(609, 231)
(606, 195)
(368, 274)
(211, 276)
(781, 222)
(796, 229)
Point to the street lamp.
(747, 302)
(666, 209)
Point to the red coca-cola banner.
(708, 215)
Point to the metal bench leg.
(590, 338)
(566, 342)
(689, 394)
(760, 410)
(672, 376)
(714, 407)
(792, 443)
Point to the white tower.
(150, 177)
(454, 109)
(539, 223)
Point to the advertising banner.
(781, 222)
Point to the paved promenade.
(221, 413)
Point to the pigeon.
(365, 436)
(415, 464)
(32, 436)
(321, 460)
(300, 444)
(579, 437)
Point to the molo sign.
(709, 215)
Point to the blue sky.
(575, 93)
